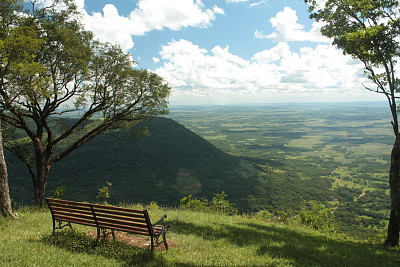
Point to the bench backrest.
(71, 211)
(123, 219)
(102, 216)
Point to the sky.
(230, 51)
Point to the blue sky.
(230, 51)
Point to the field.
(347, 144)
(195, 238)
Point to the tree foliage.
(51, 67)
(369, 30)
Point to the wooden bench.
(107, 219)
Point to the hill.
(167, 164)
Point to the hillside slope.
(169, 163)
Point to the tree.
(5, 200)
(369, 30)
(63, 73)
(7, 16)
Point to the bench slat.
(77, 220)
(121, 218)
(125, 228)
(71, 210)
(119, 213)
(86, 216)
(105, 220)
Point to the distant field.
(349, 144)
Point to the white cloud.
(149, 15)
(276, 74)
(254, 4)
(287, 29)
(156, 60)
(173, 14)
(110, 26)
(236, 1)
(258, 3)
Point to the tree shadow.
(128, 255)
(300, 248)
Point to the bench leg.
(152, 244)
(165, 241)
(57, 224)
(98, 235)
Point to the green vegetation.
(259, 170)
(336, 154)
(50, 66)
(104, 193)
(195, 238)
(218, 203)
(368, 30)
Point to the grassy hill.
(196, 239)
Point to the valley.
(343, 148)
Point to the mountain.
(164, 166)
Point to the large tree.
(68, 74)
(369, 30)
(8, 19)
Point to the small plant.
(264, 215)
(317, 215)
(218, 203)
(193, 204)
(59, 192)
(153, 206)
(285, 216)
(104, 193)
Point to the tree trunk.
(40, 184)
(5, 201)
(394, 183)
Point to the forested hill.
(169, 163)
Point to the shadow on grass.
(79, 242)
(300, 248)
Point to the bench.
(107, 219)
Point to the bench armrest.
(160, 221)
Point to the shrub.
(193, 204)
(317, 215)
(59, 192)
(220, 204)
(104, 193)
(217, 204)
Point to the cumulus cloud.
(148, 15)
(288, 29)
(172, 14)
(276, 72)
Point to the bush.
(104, 193)
(217, 204)
(317, 215)
(59, 193)
(193, 204)
(220, 204)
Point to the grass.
(196, 239)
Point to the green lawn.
(196, 239)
